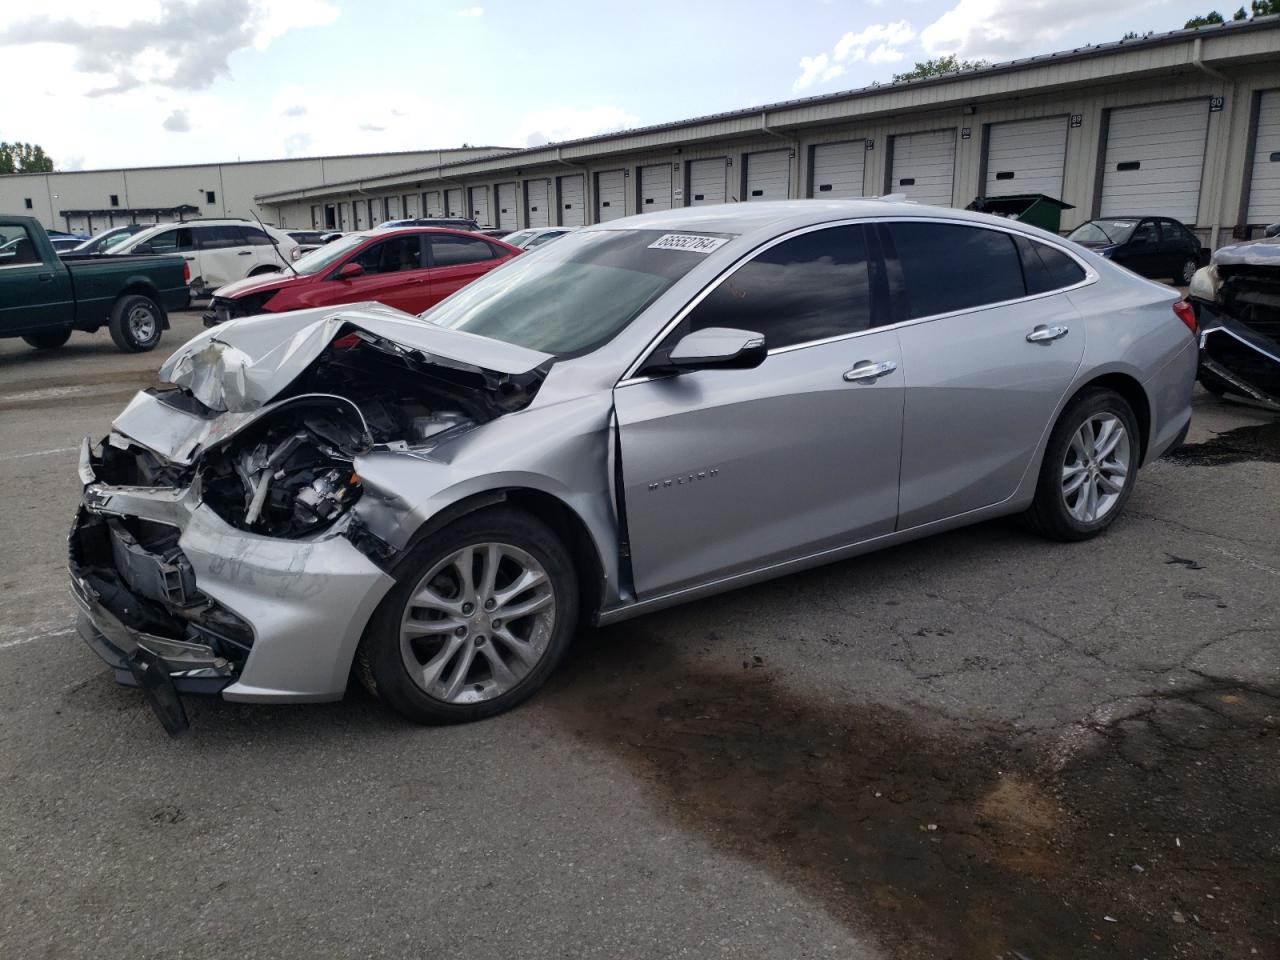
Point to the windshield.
(572, 296)
(1103, 231)
(321, 259)
(517, 238)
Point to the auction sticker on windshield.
(689, 242)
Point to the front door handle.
(1043, 334)
(44, 277)
(245, 253)
(869, 372)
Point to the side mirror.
(143, 249)
(718, 348)
(349, 271)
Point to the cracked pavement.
(981, 744)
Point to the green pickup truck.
(44, 297)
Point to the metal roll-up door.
(432, 205)
(357, 215)
(392, 207)
(453, 202)
(1264, 184)
(1026, 156)
(1154, 160)
(410, 204)
(838, 169)
(655, 188)
(708, 181)
(573, 212)
(538, 200)
(507, 210)
(924, 166)
(611, 195)
(769, 175)
(480, 206)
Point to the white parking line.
(39, 631)
(36, 453)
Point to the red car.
(411, 269)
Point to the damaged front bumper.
(1236, 357)
(163, 582)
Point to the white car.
(219, 251)
(536, 236)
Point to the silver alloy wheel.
(142, 324)
(1095, 467)
(1189, 270)
(477, 623)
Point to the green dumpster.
(1033, 208)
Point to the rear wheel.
(1188, 271)
(47, 339)
(136, 323)
(482, 613)
(1089, 468)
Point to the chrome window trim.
(1090, 277)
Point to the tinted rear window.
(947, 267)
(1047, 268)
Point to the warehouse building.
(1184, 124)
(88, 201)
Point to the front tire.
(47, 339)
(1188, 271)
(1090, 466)
(483, 611)
(136, 323)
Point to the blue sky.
(135, 82)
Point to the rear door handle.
(44, 277)
(1043, 334)
(869, 372)
(245, 253)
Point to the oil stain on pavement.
(1160, 837)
(1259, 442)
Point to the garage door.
(1264, 187)
(507, 206)
(1026, 156)
(539, 203)
(410, 204)
(573, 209)
(611, 195)
(453, 202)
(1155, 157)
(838, 168)
(708, 180)
(655, 188)
(392, 206)
(923, 166)
(769, 175)
(480, 205)
(432, 205)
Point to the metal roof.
(1088, 51)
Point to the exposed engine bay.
(291, 471)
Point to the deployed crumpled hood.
(1257, 253)
(259, 284)
(241, 365)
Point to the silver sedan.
(647, 412)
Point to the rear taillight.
(186, 272)
(1187, 314)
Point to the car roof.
(782, 215)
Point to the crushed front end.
(1237, 301)
(226, 543)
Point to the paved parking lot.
(979, 745)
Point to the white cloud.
(177, 122)
(470, 12)
(1005, 29)
(878, 43)
(570, 123)
(119, 45)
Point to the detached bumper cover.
(1239, 355)
(306, 602)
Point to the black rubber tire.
(47, 339)
(378, 664)
(1185, 278)
(120, 332)
(1048, 515)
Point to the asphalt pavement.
(978, 745)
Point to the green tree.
(24, 158)
(1264, 8)
(1213, 16)
(938, 66)
(1240, 15)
